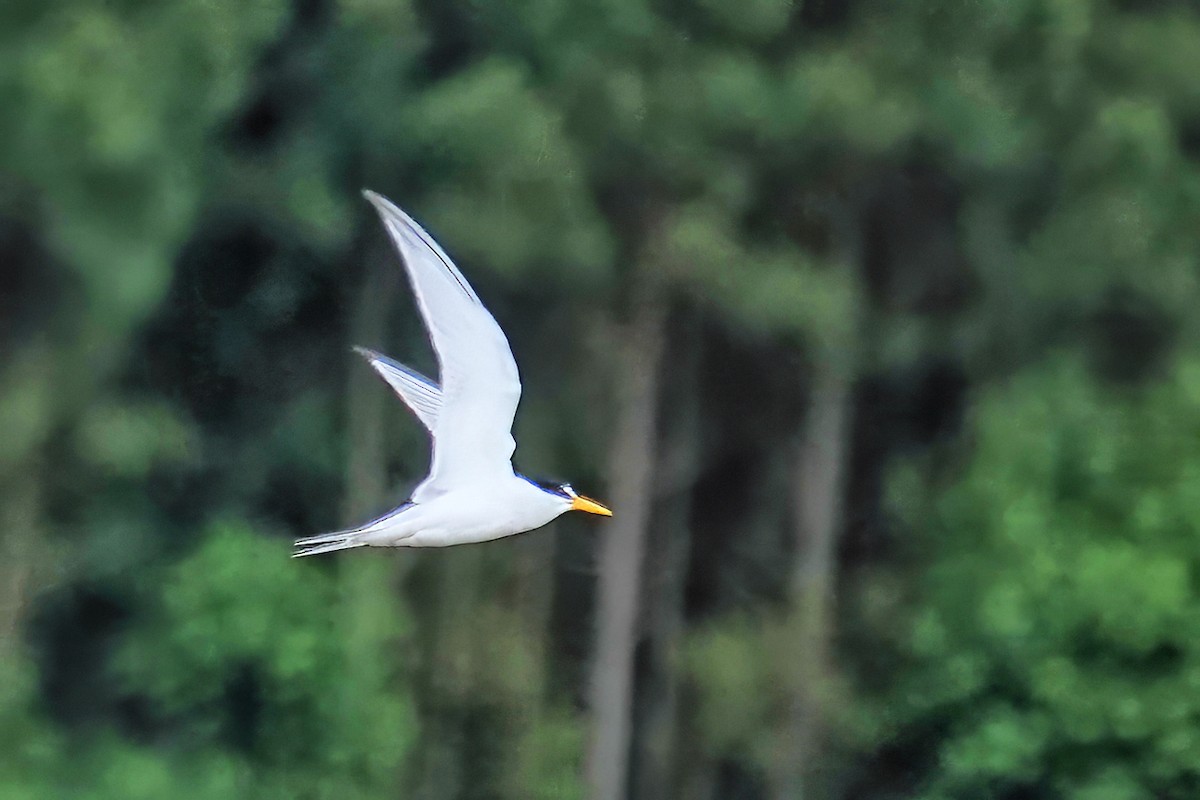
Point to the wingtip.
(392, 214)
(365, 352)
(381, 203)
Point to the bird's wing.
(419, 393)
(472, 437)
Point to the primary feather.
(472, 440)
(419, 393)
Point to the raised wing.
(480, 386)
(419, 393)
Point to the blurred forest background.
(874, 322)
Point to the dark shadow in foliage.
(243, 702)
(73, 634)
(1130, 338)
(223, 345)
(284, 94)
(902, 413)
(32, 284)
(251, 322)
(1189, 138)
(825, 15)
(455, 37)
(735, 782)
(755, 390)
(911, 256)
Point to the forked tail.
(347, 540)
(315, 545)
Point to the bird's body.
(472, 493)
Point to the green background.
(901, 295)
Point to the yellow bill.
(591, 506)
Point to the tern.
(472, 492)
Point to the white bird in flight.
(472, 493)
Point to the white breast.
(481, 514)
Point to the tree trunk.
(19, 499)
(817, 498)
(657, 716)
(367, 397)
(26, 387)
(623, 544)
(365, 578)
(533, 576)
(366, 462)
(451, 660)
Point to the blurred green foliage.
(984, 213)
(1067, 621)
